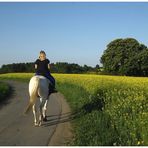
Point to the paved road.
(18, 129)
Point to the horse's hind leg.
(41, 112)
(34, 113)
(44, 111)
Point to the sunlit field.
(111, 110)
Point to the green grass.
(109, 110)
(4, 91)
(23, 77)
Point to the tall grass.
(109, 110)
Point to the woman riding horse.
(42, 66)
(41, 85)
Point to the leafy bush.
(4, 90)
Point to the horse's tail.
(34, 85)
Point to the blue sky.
(71, 32)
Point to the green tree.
(125, 57)
(97, 68)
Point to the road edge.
(63, 133)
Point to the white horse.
(38, 86)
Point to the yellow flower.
(138, 143)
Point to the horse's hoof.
(45, 119)
(40, 123)
(35, 124)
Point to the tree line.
(59, 67)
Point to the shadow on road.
(69, 116)
(56, 119)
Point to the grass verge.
(5, 91)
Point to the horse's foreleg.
(34, 113)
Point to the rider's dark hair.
(42, 52)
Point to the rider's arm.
(49, 66)
(36, 66)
